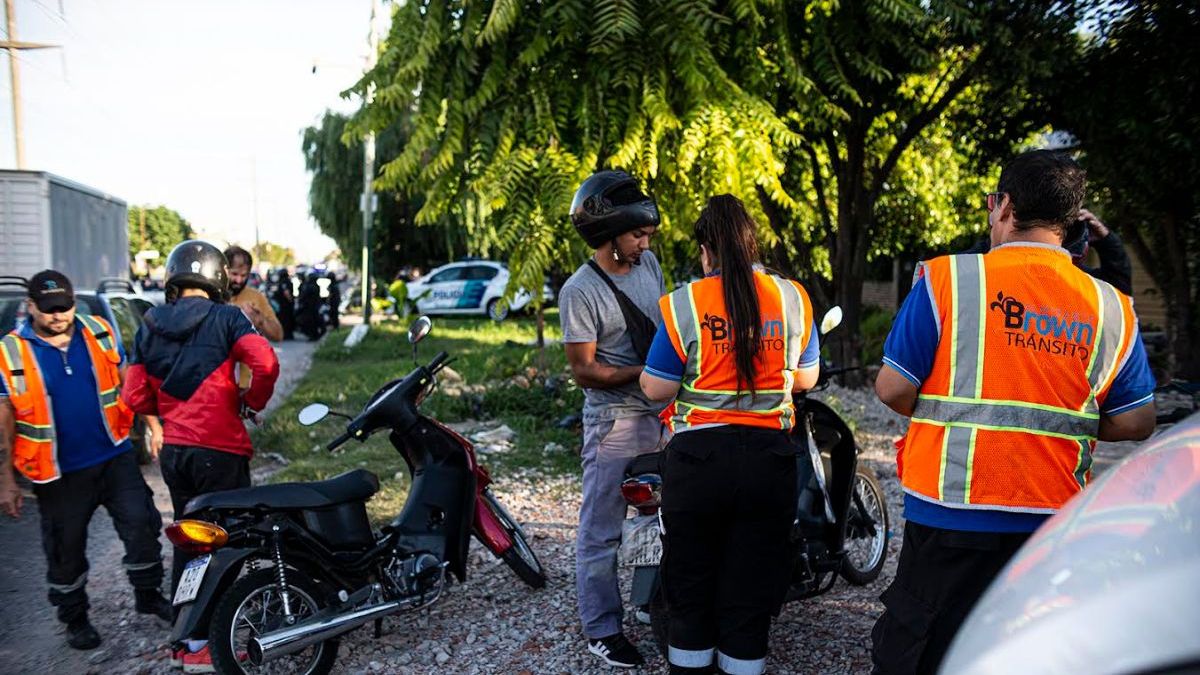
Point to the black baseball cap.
(51, 291)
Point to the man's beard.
(234, 289)
(48, 330)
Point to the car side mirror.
(831, 320)
(313, 413)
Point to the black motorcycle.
(314, 569)
(841, 526)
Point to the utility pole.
(368, 192)
(13, 46)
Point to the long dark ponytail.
(726, 229)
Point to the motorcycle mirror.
(831, 320)
(313, 413)
(419, 329)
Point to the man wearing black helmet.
(609, 312)
(183, 371)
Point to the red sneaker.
(198, 662)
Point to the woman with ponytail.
(732, 349)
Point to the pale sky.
(183, 103)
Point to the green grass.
(484, 352)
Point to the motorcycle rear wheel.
(519, 557)
(866, 551)
(253, 604)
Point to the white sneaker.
(642, 614)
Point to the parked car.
(117, 301)
(1111, 584)
(469, 287)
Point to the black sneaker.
(616, 651)
(151, 601)
(81, 635)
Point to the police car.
(469, 287)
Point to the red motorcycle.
(315, 568)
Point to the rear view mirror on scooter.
(831, 320)
(419, 329)
(313, 413)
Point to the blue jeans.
(607, 449)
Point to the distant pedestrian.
(66, 430)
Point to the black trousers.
(729, 499)
(190, 472)
(66, 507)
(940, 577)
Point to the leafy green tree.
(1134, 106)
(514, 102)
(901, 108)
(156, 228)
(336, 165)
(275, 254)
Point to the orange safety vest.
(1029, 347)
(35, 452)
(695, 320)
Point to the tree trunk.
(849, 257)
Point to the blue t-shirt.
(78, 420)
(910, 348)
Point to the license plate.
(189, 583)
(641, 544)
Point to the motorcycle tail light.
(642, 491)
(197, 536)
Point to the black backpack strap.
(641, 328)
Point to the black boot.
(81, 635)
(151, 601)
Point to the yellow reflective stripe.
(942, 463)
(1002, 413)
(1007, 402)
(42, 433)
(982, 312)
(970, 467)
(97, 328)
(697, 406)
(997, 427)
(11, 348)
(953, 337)
(732, 392)
(696, 331)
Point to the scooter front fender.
(222, 571)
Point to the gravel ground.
(494, 624)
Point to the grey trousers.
(607, 449)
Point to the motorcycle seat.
(352, 486)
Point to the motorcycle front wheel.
(866, 530)
(519, 557)
(253, 606)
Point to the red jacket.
(182, 370)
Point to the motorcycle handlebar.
(438, 361)
(333, 445)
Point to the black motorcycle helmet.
(197, 264)
(609, 204)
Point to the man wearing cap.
(67, 431)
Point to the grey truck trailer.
(47, 221)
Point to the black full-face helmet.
(197, 264)
(609, 204)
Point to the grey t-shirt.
(589, 313)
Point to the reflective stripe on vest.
(964, 412)
(775, 404)
(98, 330)
(10, 347)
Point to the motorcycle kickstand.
(378, 628)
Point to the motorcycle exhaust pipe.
(308, 633)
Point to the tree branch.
(819, 186)
(922, 119)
